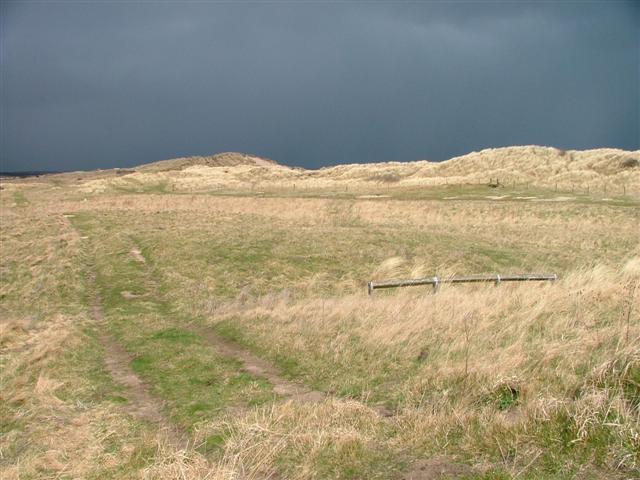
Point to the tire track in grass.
(174, 378)
(253, 364)
(140, 402)
(260, 368)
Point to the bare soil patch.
(555, 199)
(497, 197)
(137, 256)
(140, 404)
(126, 294)
(437, 468)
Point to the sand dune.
(522, 165)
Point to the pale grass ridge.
(546, 167)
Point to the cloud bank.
(88, 85)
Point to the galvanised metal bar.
(436, 281)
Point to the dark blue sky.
(102, 84)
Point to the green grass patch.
(230, 331)
(20, 198)
(81, 368)
(178, 335)
(142, 364)
(506, 397)
(117, 399)
(213, 443)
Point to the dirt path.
(140, 402)
(255, 365)
(437, 468)
(251, 363)
(260, 368)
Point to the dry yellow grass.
(547, 343)
(55, 420)
(516, 381)
(608, 171)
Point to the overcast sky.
(102, 84)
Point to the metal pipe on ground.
(436, 281)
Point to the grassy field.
(148, 333)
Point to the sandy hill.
(101, 178)
(600, 169)
(527, 163)
(225, 159)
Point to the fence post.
(436, 281)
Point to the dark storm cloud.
(88, 85)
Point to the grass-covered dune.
(227, 332)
